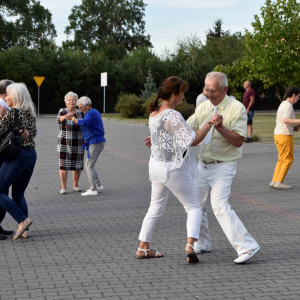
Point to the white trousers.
(181, 184)
(214, 185)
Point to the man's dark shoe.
(3, 237)
(248, 140)
(6, 232)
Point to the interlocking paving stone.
(84, 247)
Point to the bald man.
(248, 101)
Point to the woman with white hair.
(70, 142)
(18, 171)
(93, 131)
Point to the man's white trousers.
(214, 185)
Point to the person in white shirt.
(201, 98)
(172, 166)
(283, 137)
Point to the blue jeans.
(2, 211)
(16, 173)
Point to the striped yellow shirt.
(234, 118)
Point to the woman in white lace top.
(172, 165)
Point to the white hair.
(21, 98)
(223, 82)
(84, 101)
(71, 94)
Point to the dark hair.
(291, 90)
(171, 85)
(4, 83)
(228, 91)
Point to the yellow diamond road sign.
(39, 80)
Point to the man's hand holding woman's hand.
(217, 119)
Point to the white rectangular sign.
(104, 79)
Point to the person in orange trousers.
(283, 137)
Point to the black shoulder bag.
(10, 145)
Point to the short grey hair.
(71, 94)
(223, 82)
(84, 101)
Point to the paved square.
(84, 247)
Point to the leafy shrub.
(145, 105)
(186, 109)
(255, 137)
(129, 105)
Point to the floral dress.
(70, 142)
(171, 139)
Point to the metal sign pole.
(103, 78)
(104, 100)
(38, 80)
(38, 101)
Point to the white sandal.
(192, 257)
(158, 254)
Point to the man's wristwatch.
(210, 123)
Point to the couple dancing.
(220, 124)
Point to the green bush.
(255, 137)
(129, 105)
(145, 105)
(186, 109)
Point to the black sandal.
(192, 257)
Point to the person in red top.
(248, 101)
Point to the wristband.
(73, 119)
(223, 130)
(210, 123)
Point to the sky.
(170, 20)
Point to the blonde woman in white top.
(172, 166)
(283, 137)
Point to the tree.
(32, 27)
(149, 86)
(98, 23)
(222, 47)
(190, 62)
(218, 32)
(272, 50)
